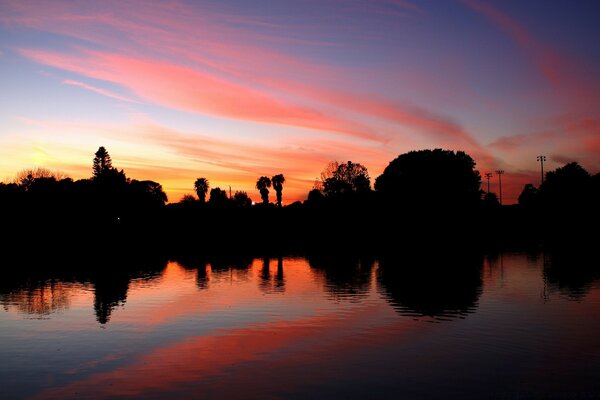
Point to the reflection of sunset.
(228, 327)
(44, 299)
(293, 344)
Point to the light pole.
(488, 175)
(541, 160)
(499, 173)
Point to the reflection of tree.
(443, 286)
(110, 291)
(220, 266)
(572, 273)
(269, 283)
(42, 289)
(39, 298)
(196, 262)
(112, 276)
(279, 279)
(225, 262)
(346, 278)
(265, 275)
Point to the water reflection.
(37, 298)
(226, 326)
(110, 291)
(417, 285)
(432, 285)
(38, 289)
(346, 278)
(217, 266)
(572, 272)
(271, 282)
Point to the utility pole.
(488, 175)
(541, 160)
(499, 173)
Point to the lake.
(507, 325)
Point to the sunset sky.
(232, 90)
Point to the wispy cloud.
(98, 90)
(216, 67)
(187, 89)
(549, 62)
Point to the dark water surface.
(512, 325)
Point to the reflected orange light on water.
(294, 344)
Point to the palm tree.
(201, 185)
(278, 181)
(262, 184)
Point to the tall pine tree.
(102, 162)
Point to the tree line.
(420, 195)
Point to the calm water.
(514, 325)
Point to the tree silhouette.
(102, 162)
(241, 199)
(491, 200)
(201, 186)
(262, 184)
(431, 179)
(328, 172)
(278, 181)
(347, 178)
(187, 199)
(218, 197)
(568, 184)
(528, 196)
(151, 190)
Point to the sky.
(234, 90)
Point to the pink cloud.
(550, 63)
(217, 47)
(191, 90)
(512, 143)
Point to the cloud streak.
(549, 62)
(98, 90)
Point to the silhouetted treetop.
(102, 162)
(187, 199)
(218, 197)
(528, 196)
(571, 176)
(241, 199)
(348, 177)
(278, 181)
(201, 186)
(262, 184)
(151, 190)
(431, 177)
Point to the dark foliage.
(263, 184)
(431, 179)
(347, 178)
(278, 181)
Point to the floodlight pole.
(541, 160)
(500, 172)
(488, 175)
